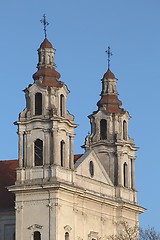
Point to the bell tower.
(46, 137)
(109, 137)
(45, 127)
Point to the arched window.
(38, 104)
(38, 152)
(62, 152)
(125, 175)
(124, 130)
(103, 129)
(62, 105)
(37, 235)
(66, 236)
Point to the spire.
(46, 65)
(46, 51)
(109, 74)
(109, 96)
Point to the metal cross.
(45, 23)
(109, 53)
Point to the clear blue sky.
(81, 32)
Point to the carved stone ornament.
(67, 228)
(35, 226)
(18, 208)
(79, 238)
(93, 235)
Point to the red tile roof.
(77, 156)
(7, 178)
(112, 103)
(46, 44)
(49, 77)
(109, 74)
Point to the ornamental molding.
(67, 228)
(18, 208)
(79, 238)
(35, 226)
(93, 235)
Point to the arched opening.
(66, 236)
(38, 104)
(103, 129)
(124, 130)
(62, 152)
(62, 105)
(125, 175)
(38, 152)
(37, 235)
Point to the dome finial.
(109, 53)
(45, 23)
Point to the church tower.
(109, 137)
(46, 137)
(45, 127)
(60, 195)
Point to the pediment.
(83, 167)
(36, 87)
(35, 226)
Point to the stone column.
(56, 158)
(32, 154)
(66, 152)
(25, 149)
(46, 148)
(119, 169)
(133, 173)
(28, 150)
(20, 149)
(51, 146)
(72, 153)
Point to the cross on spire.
(109, 53)
(45, 23)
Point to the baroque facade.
(59, 195)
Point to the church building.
(60, 195)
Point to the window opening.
(62, 150)
(125, 175)
(66, 236)
(38, 104)
(91, 168)
(38, 152)
(124, 130)
(37, 235)
(62, 105)
(103, 129)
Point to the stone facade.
(59, 196)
